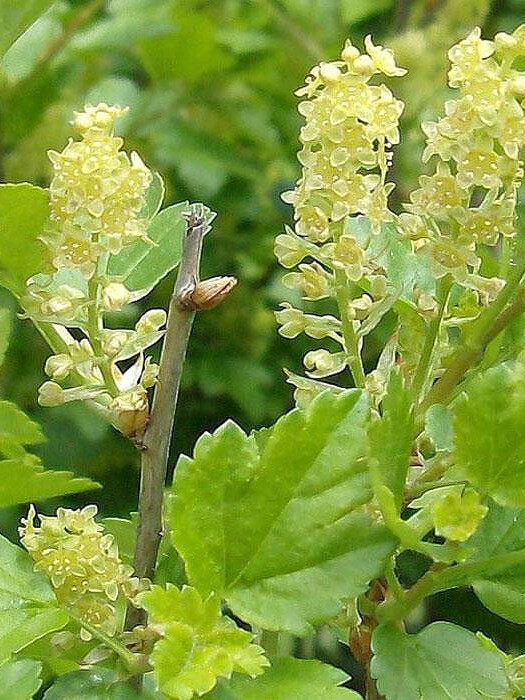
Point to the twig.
(157, 437)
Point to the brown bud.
(211, 292)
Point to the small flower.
(289, 249)
(115, 296)
(151, 321)
(383, 59)
(457, 514)
(292, 321)
(313, 282)
(51, 394)
(348, 255)
(322, 363)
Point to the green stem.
(132, 662)
(427, 353)
(442, 579)
(94, 327)
(490, 323)
(343, 298)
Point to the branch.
(157, 437)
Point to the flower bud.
(51, 394)
(113, 342)
(292, 321)
(322, 363)
(211, 292)
(131, 412)
(150, 374)
(151, 321)
(58, 366)
(115, 296)
(329, 72)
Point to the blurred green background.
(210, 89)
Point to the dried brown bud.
(210, 293)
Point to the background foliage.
(210, 86)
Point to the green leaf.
(188, 53)
(26, 480)
(442, 661)
(153, 198)
(278, 532)
(24, 210)
(16, 426)
(5, 332)
(28, 607)
(16, 17)
(390, 439)
(19, 680)
(438, 427)
(198, 644)
(288, 679)
(489, 439)
(140, 266)
(96, 684)
(22, 477)
(502, 592)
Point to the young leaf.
(502, 591)
(28, 607)
(141, 265)
(390, 439)
(278, 533)
(489, 439)
(19, 680)
(288, 679)
(198, 644)
(24, 210)
(441, 661)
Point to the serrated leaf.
(95, 684)
(198, 644)
(22, 476)
(440, 662)
(17, 427)
(489, 440)
(278, 533)
(20, 680)
(503, 591)
(28, 607)
(288, 679)
(16, 17)
(140, 266)
(390, 439)
(24, 210)
(25, 480)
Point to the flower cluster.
(96, 198)
(349, 127)
(470, 198)
(82, 563)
